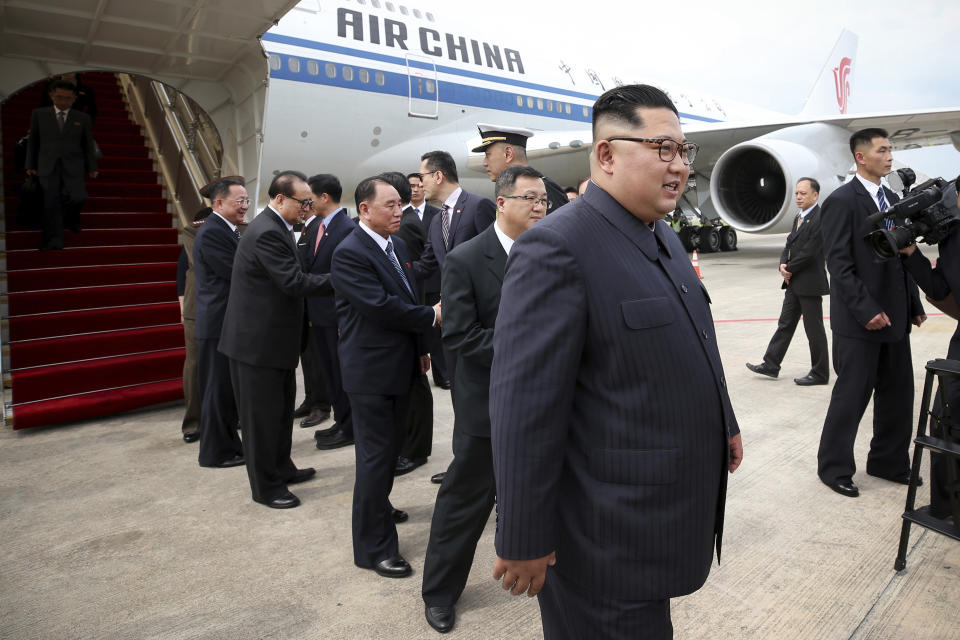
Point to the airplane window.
(379, 78)
(364, 76)
(294, 65)
(529, 102)
(429, 16)
(348, 74)
(330, 69)
(519, 101)
(404, 10)
(313, 68)
(540, 104)
(390, 7)
(549, 105)
(417, 14)
(275, 62)
(586, 112)
(431, 87)
(566, 108)
(375, 3)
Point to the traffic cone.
(696, 264)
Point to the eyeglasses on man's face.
(305, 205)
(533, 200)
(667, 147)
(243, 202)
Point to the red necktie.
(320, 233)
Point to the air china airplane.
(363, 86)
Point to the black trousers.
(379, 423)
(60, 209)
(568, 613)
(192, 396)
(811, 309)
(460, 514)
(438, 356)
(265, 398)
(418, 442)
(326, 340)
(315, 386)
(218, 414)
(885, 370)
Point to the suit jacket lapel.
(226, 228)
(455, 216)
(624, 221)
(496, 256)
(380, 257)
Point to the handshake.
(436, 309)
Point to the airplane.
(362, 86)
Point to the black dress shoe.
(335, 441)
(326, 433)
(303, 410)
(283, 501)
(899, 479)
(809, 380)
(440, 618)
(763, 369)
(191, 437)
(844, 487)
(437, 478)
(235, 461)
(406, 465)
(395, 567)
(302, 475)
(315, 417)
(399, 516)
(443, 384)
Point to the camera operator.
(939, 283)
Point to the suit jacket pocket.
(646, 313)
(635, 466)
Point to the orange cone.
(696, 264)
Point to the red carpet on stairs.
(93, 329)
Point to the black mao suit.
(261, 336)
(60, 157)
(472, 278)
(322, 311)
(599, 453)
(213, 251)
(381, 330)
(803, 255)
(866, 362)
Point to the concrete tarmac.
(110, 529)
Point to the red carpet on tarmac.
(93, 329)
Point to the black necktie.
(236, 233)
(61, 119)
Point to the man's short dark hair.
(283, 183)
(813, 183)
(443, 162)
(866, 136)
(62, 84)
(572, 190)
(399, 182)
(508, 178)
(621, 103)
(415, 174)
(326, 183)
(221, 188)
(367, 189)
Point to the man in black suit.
(213, 251)
(611, 480)
(504, 147)
(381, 352)
(472, 277)
(261, 336)
(316, 253)
(805, 282)
(60, 151)
(872, 304)
(420, 212)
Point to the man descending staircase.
(93, 329)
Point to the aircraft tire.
(689, 238)
(709, 240)
(728, 239)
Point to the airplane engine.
(752, 183)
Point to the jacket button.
(683, 288)
(705, 336)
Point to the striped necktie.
(396, 266)
(882, 203)
(445, 226)
(61, 119)
(320, 233)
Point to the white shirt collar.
(871, 189)
(63, 111)
(451, 200)
(285, 223)
(803, 214)
(379, 239)
(327, 218)
(232, 226)
(505, 241)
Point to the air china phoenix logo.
(842, 83)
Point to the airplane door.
(424, 91)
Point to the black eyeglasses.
(304, 204)
(667, 147)
(427, 173)
(533, 200)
